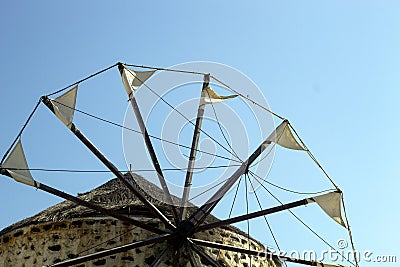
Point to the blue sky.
(330, 67)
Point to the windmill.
(179, 230)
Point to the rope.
(220, 128)
(350, 234)
(308, 227)
(229, 216)
(165, 69)
(20, 132)
(202, 193)
(82, 80)
(289, 190)
(107, 171)
(313, 158)
(139, 132)
(181, 114)
(247, 212)
(265, 217)
(247, 98)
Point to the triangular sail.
(64, 106)
(132, 80)
(209, 96)
(331, 204)
(17, 166)
(283, 136)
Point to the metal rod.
(153, 209)
(89, 205)
(199, 216)
(260, 254)
(113, 251)
(193, 151)
(253, 215)
(150, 149)
(204, 255)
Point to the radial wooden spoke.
(89, 205)
(153, 209)
(192, 258)
(193, 153)
(109, 252)
(253, 215)
(150, 148)
(153, 156)
(204, 255)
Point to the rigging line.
(186, 118)
(234, 199)
(313, 158)
(265, 218)
(82, 80)
(247, 98)
(289, 190)
(308, 227)
(205, 191)
(139, 132)
(107, 171)
(265, 156)
(164, 69)
(230, 213)
(194, 168)
(350, 233)
(220, 128)
(247, 212)
(20, 131)
(102, 243)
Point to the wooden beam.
(253, 215)
(89, 205)
(192, 258)
(153, 209)
(193, 152)
(204, 255)
(150, 149)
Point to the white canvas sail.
(283, 136)
(132, 80)
(331, 204)
(17, 166)
(209, 96)
(64, 106)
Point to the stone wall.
(48, 243)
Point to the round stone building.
(68, 231)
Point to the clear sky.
(331, 67)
